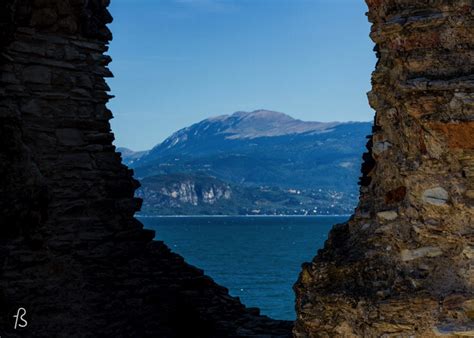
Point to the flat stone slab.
(436, 196)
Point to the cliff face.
(183, 192)
(72, 254)
(198, 194)
(403, 264)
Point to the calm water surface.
(257, 258)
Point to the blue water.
(257, 258)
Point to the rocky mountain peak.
(265, 123)
(249, 125)
(262, 114)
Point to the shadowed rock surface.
(403, 265)
(71, 252)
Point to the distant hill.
(256, 151)
(187, 194)
(129, 156)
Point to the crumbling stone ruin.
(403, 266)
(71, 252)
(74, 257)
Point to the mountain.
(260, 150)
(188, 194)
(129, 156)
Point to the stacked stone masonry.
(71, 252)
(403, 265)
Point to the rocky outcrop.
(72, 254)
(403, 264)
(188, 192)
(199, 194)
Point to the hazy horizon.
(177, 62)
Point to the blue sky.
(177, 62)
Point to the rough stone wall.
(403, 265)
(71, 252)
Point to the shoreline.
(225, 216)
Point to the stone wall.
(404, 263)
(71, 252)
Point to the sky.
(177, 62)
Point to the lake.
(257, 258)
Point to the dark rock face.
(71, 252)
(403, 265)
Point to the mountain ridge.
(261, 115)
(259, 149)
